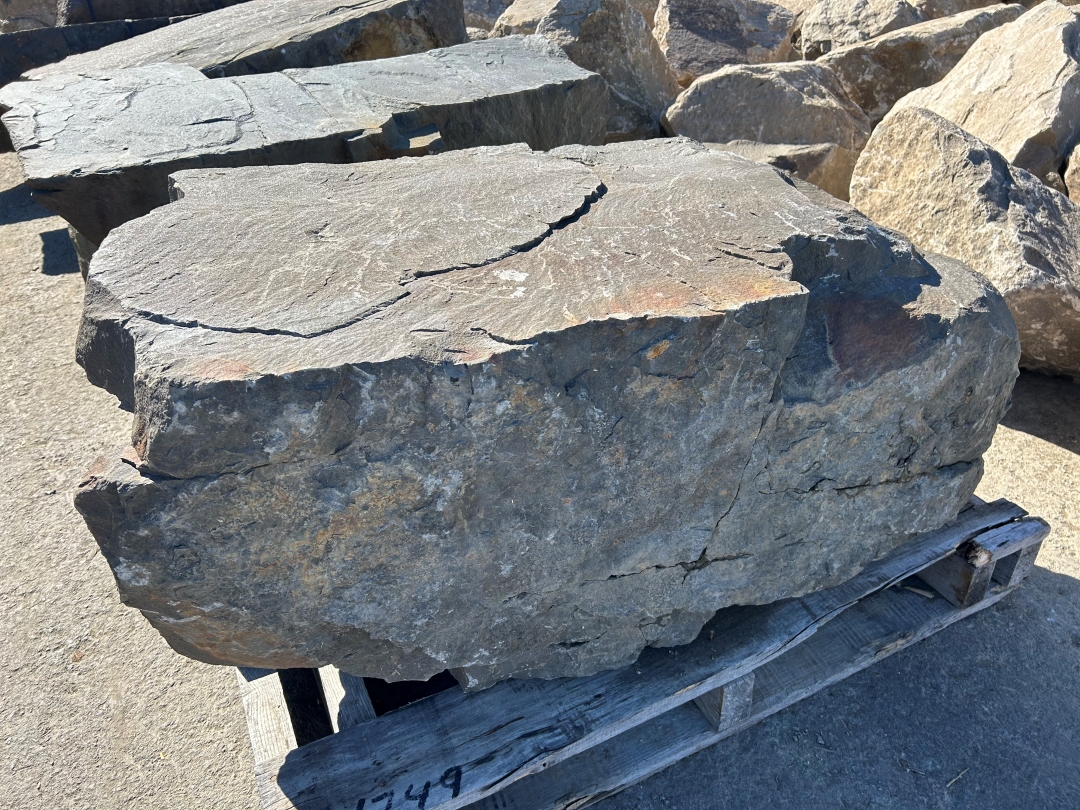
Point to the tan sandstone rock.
(826, 165)
(879, 72)
(701, 36)
(950, 192)
(1017, 89)
(26, 15)
(832, 23)
(792, 103)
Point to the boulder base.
(520, 414)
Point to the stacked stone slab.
(261, 36)
(519, 414)
(76, 12)
(951, 192)
(99, 152)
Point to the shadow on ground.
(58, 256)
(16, 205)
(1046, 407)
(982, 716)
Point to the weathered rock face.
(605, 392)
(609, 37)
(78, 12)
(951, 192)
(833, 23)
(1018, 89)
(936, 9)
(99, 152)
(1071, 178)
(879, 72)
(794, 103)
(262, 36)
(826, 165)
(26, 15)
(702, 36)
(483, 13)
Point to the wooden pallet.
(542, 745)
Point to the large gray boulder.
(950, 192)
(701, 36)
(26, 15)
(877, 73)
(1018, 89)
(833, 23)
(612, 38)
(78, 12)
(519, 414)
(99, 152)
(261, 36)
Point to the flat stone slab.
(519, 414)
(262, 36)
(77, 12)
(98, 152)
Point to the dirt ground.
(97, 712)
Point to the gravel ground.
(97, 712)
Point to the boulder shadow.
(58, 254)
(16, 205)
(1046, 407)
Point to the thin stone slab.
(1018, 89)
(520, 414)
(879, 72)
(949, 191)
(79, 12)
(262, 36)
(99, 152)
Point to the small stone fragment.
(522, 17)
(99, 152)
(702, 36)
(880, 71)
(1017, 89)
(950, 192)
(793, 103)
(826, 165)
(261, 36)
(833, 23)
(519, 414)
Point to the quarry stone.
(950, 192)
(877, 73)
(98, 152)
(832, 23)
(78, 12)
(262, 36)
(26, 15)
(826, 165)
(1017, 89)
(702, 36)
(792, 103)
(519, 414)
(482, 14)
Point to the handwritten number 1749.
(451, 780)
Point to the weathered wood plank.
(962, 583)
(347, 698)
(729, 705)
(269, 724)
(878, 626)
(999, 543)
(459, 748)
(1012, 570)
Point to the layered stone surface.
(78, 12)
(701, 36)
(949, 191)
(98, 152)
(1018, 89)
(262, 36)
(833, 23)
(826, 165)
(795, 103)
(879, 72)
(519, 414)
(611, 38)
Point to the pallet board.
(566, 743)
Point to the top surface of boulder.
(520, 413)
(262, 36)
(832, 23)
(1018, 89)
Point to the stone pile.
(521, 413)
(604, 393)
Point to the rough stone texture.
(607, 392)
(484, 13)
(262, 36)
(77, 12)
(936, 9)
(1018, 89)
(879, 72)
(99, 152)
(25, 50)
(826, 165)
(26, 15)
(1071, 177)
(611, 38)
(832, 23)
(949, 191)
(702, 36)
(794, 103)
